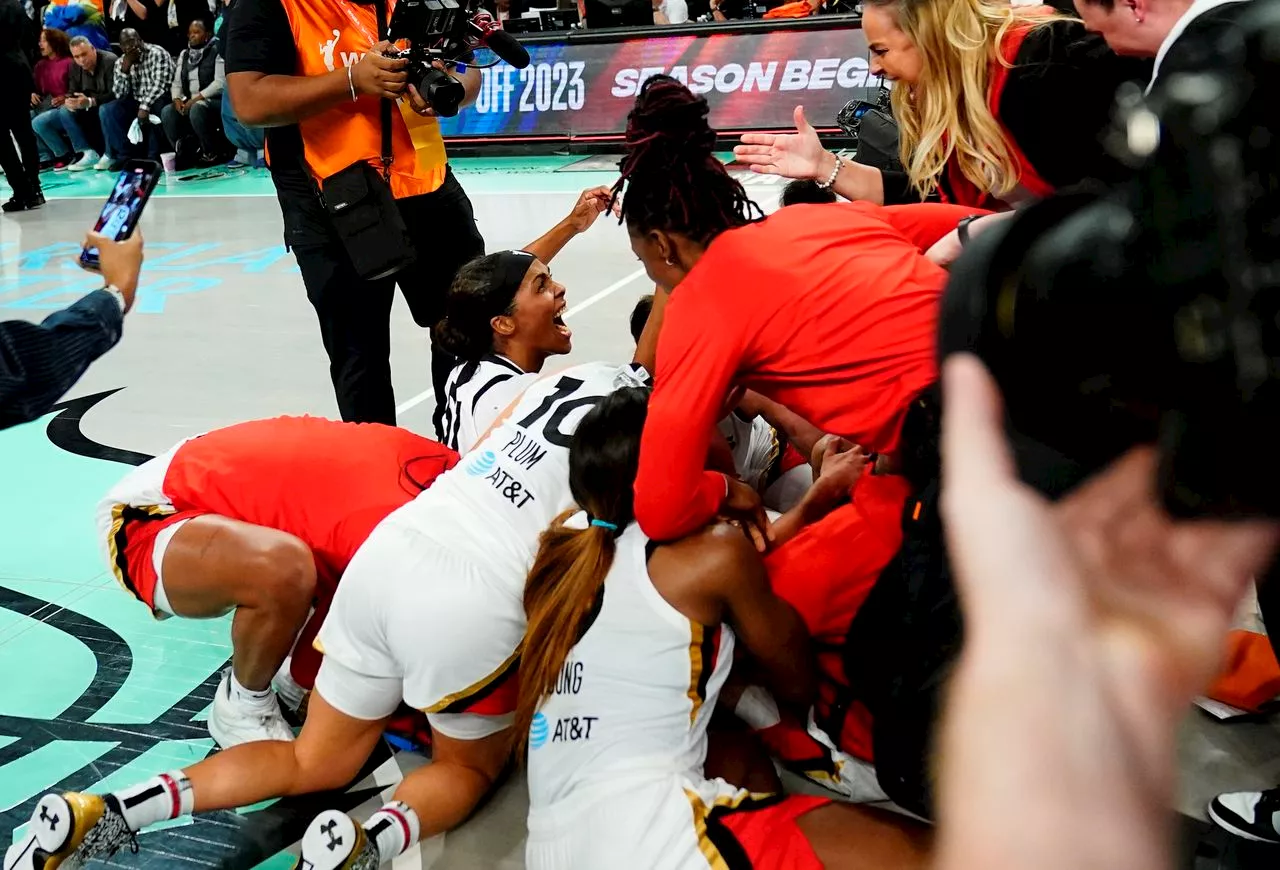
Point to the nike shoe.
(235, 720)
(71, 828)
(334, 841)
(1253, 815)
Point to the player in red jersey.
(828, 310)
(261, 518)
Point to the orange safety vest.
(333, 34)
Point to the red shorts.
(763, 834)
(137, 563)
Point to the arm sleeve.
(259, 39)
(120, 81)
(175, 88)
(1057, 103)
(926, 222)
(674, 494)
(219, 82)
(154, 83)
(38, 363)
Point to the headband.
(511, 269)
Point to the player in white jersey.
(428, 612)
(503, 320)
(627, 649)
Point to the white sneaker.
(235, 720)
(291, 694)
(86, 161)
(103, 164)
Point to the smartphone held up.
(120, 214)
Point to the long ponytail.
(574, 558)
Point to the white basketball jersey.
(495, 504)
(754, 444)
(475, 394)
(634, 696)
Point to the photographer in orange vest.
(364, 184)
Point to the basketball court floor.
(94, 693)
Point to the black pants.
(22, 166)
(355, 315)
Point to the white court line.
(581, 306)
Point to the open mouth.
(558, 320)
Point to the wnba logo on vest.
(349, 58)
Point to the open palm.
(791, 155)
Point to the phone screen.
(124, 206)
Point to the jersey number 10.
(559, 399)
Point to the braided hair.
(672, 179)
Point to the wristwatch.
(962, 228)
(119, 297)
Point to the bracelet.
(835, 170)
(351, 84)
(962, 228)
(117, 295)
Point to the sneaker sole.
(55, 844)
(1232, 826)
(318, 840)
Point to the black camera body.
(1151, 313)
(447, 32)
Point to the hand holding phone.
(119, 262)
(122, 209)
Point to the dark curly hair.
(474, 299)
(670, 175)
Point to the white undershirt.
(1194, 11)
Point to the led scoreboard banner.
(584, 86)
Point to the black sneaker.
(335, 841)
(1253, 815)
(22, 203)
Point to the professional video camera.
(1150, 314)
(446, 31)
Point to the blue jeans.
(118, 115)
(244, 138)
(60, 133)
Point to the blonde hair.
(946, 112)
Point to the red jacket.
(829, 310)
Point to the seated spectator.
(141, 79)
(249, 142)
(51, 74)
(74, 128)
(199, 79)
(806, 190)
(670, 12)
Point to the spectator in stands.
(981, 127)
(21, 165)
(1181, 35)
(670, 12)
(51, 75)
(141, 84)
(199, 79)
(806, 191)
(75, 126)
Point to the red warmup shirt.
(325, 482)
(829, 310)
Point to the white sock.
(757, 708)
(160, 798)
(394, 828)
(258, 698)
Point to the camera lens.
(442, 91)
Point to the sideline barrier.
(579, 86)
